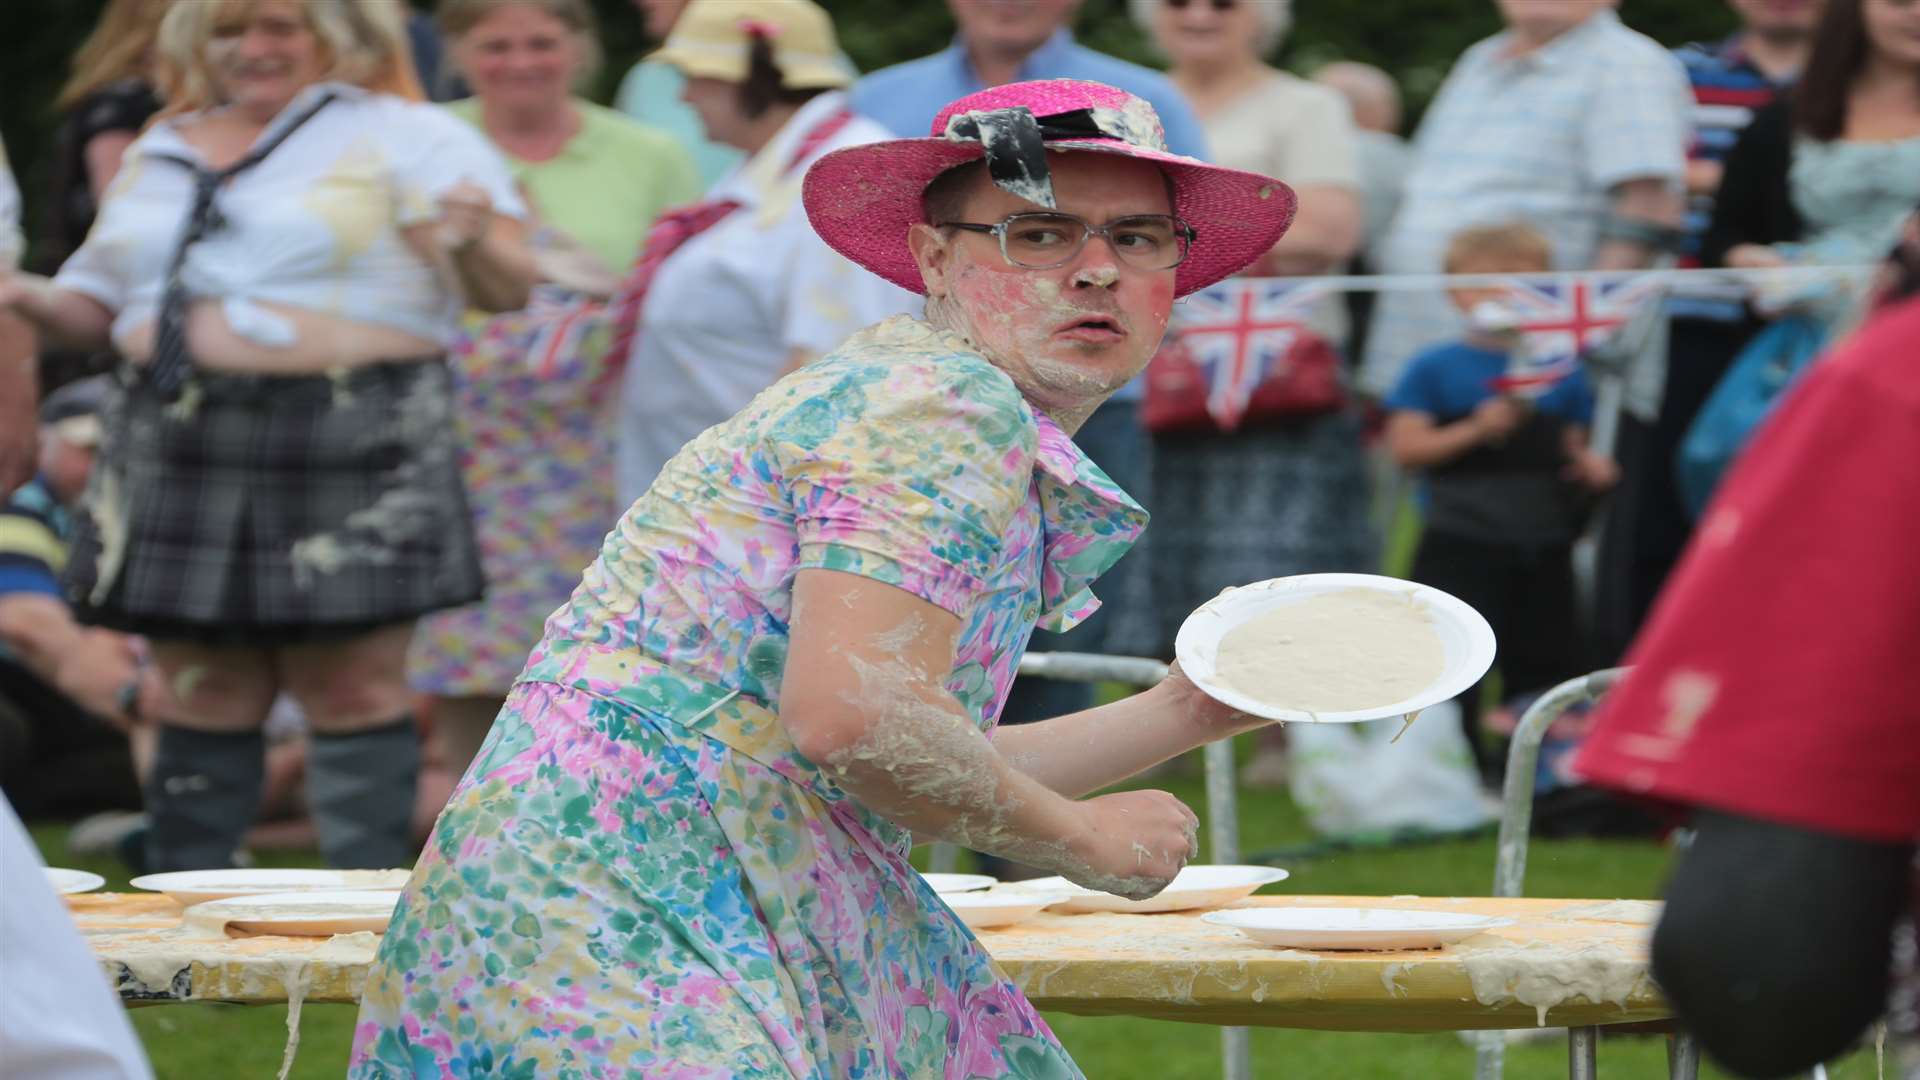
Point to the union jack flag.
(1563, 320)
(1237, 331)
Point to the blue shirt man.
(906, 96)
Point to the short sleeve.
(31, 551)
(1415, 391)
(1639, 121)
(908, 473)
(122, 106)
(432, 150)
(1776, 678)
(1320, 146)
(828, 298)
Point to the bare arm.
(1417, 441)
(103, 154)
(62, 316)
(863, 697)
(19, 391)
(1326, 231)
(1077, 753)
(90, 667)
(489, 255)
(1650, 200)
(497, 272)
(39, 630)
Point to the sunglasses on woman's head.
(1218, 5)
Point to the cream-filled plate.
(1193, 887)
(200, 886)
(959, 883)
(1376, 929)
(1334, 648)
(72, 881)
(302, 914)
(1002, 905)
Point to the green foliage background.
(1414, 39)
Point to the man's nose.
(1098, 264)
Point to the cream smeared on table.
(1336, 652)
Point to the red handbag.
(1237, 354)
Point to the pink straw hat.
(862, 200)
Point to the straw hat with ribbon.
(862, 200)
(712, 39)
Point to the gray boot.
(202, 796)
(360, 791)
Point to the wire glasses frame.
(1043, 240)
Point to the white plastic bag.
(1353, 778)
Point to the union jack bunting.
(1236, 332)
(1562, 321)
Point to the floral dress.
(640, 875)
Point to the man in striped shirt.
(1648, 525)
(68, 693)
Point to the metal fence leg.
(1583, 1053)
(1489, 1054)
(1683, 1057)
(1516, 814)
(1223, 846)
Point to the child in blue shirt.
(1507, 481)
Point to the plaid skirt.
(269, 509)
(1255, 504)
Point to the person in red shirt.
(1775, 694)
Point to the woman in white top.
(751, 292)
(279, 263)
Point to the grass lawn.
(199, 1042)
(196, 1042)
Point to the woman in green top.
(538, 428)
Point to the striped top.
(1728, 89)
(33, 540)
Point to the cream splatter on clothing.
(315, 226)
(640, 875)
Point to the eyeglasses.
(1218, 5)
(1042, 241)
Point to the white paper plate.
(199, 886)
(1353, 928)
(73, 881)
(1000, 906)
(1193, 887)
(1465, 638)
(301, 914)
(959, 883)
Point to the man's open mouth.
(1094, 325)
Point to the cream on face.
(1071, 335)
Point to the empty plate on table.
(1001, 906)
(1193, 887)
(72, 881)
(199, 886)
(959, 883)
(1466, 641)
(1354, 928)
(301, 914)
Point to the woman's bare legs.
(364, 758)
